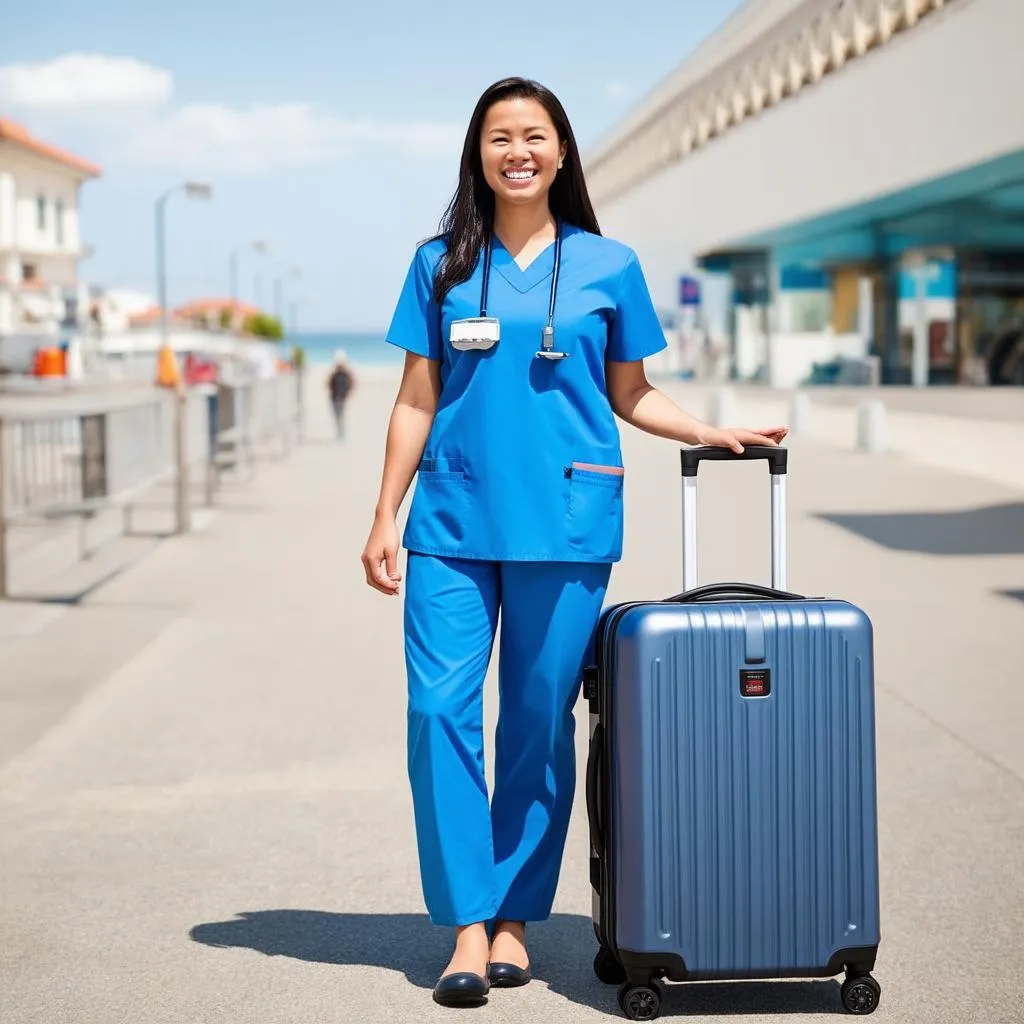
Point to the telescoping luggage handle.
(776, 458)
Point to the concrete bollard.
(722, 407)
(871, 434)
(799, 415)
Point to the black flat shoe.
(461, 989)
(508, 975)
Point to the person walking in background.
(525, 333)
(340, 384)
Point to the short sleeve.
(635, 330)
(415, 324)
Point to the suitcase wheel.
(641, 1002)
(860, 993)
(608, 969)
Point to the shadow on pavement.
(406, 942)
(562, 949)
(65, 587)
(992, 530)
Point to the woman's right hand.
(380, 556)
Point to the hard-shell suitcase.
(731, 781)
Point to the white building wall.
(119, 305)
(54, 253)
(7, 209)
(943, 96)
(55, 269)
(59, 194)
(10, 268)
(72, 221)
(760, 23)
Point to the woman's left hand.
(738, 437)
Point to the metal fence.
(75, 454)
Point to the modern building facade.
(847, 178)
(40, 242)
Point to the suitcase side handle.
(777, 457)
(731, 591)
(594, 763)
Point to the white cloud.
(83, 80)
(212, 136)
(125, 103)
(616, 90)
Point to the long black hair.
(469, 218)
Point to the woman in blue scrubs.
(525, 333)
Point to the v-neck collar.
(541, 267)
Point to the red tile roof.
(191, 310)
(149, 316)
(199, 307)
(16, 134)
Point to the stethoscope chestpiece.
(548, 341)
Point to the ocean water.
(361, 349)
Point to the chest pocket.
(594, 510)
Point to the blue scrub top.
(497, 479)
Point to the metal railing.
(73, 455)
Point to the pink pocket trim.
(591, 467)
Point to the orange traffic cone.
(168, 375)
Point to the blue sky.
(331, 130)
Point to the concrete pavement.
(973, 436)
(204, 814)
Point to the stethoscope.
(547, 349)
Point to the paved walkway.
(971, 433)
(204, 815)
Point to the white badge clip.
(476, 332)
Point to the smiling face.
(519, 150)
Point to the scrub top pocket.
(594, 513)
(440, 513)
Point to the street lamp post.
(293, 307)
(193, 190)
(257, 246)
(291, 274)
(299, 364)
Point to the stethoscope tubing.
(554, 276)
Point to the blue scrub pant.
(480, 862)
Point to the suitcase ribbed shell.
(743, 828)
